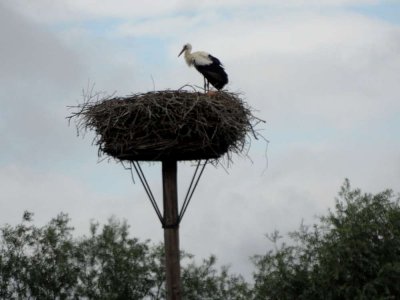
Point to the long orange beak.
(183, 50)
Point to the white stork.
(208, 65)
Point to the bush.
(353, 254)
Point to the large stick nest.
(170, 124)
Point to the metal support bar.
(191, 189)
(146, 186)
(171, 217)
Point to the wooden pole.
(171, 230)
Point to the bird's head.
(187, 47)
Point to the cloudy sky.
(325, 77)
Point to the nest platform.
(168, 125)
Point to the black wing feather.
(214, 72)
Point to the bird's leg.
(209, 93)
(205, 84)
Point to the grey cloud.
(29, 52)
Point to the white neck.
(188, 57)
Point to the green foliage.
(353, 254)
(36, 263)
(205, 282)
(113, 266)
(48, 263)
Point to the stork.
(209, 66)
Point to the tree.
(112, 265)
(37, 262)
(49, 263)
(353, 254)
(206, 282)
